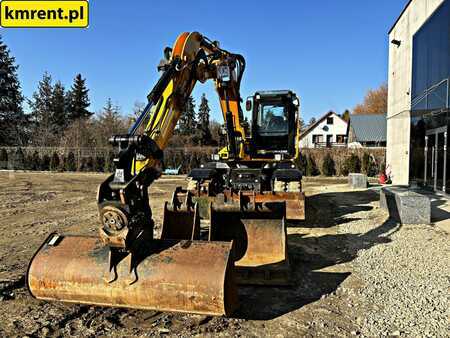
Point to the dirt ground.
(325, 300)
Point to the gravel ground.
(355, 273)
(406, 280)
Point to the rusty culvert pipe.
(181, 276)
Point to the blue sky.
(330, 52)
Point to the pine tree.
(88, 164)
(3, 159)
(109, 122)
(45, 163)
(35, 161)
(328, 166)
(352, 164)
(19, 159)
(302, 124)
(70, 163)
(12, 118)
(54, 162)
(346, 115)
(78, 100)
(203, 119)
(302, 163)
(41, 111)
(311, 167)
(99, 164)
(109, 162)
(59, 108)
(187, 121)
(312, 121)
(368, 165)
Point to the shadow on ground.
(309, 253)
(438, 213)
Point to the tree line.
(60, 117)
(53, 110)
(341, 162)
(315, 162)
(195, 127)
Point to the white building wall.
(400, 83)
(339, 127)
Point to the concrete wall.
(339, 127)
(400, 79)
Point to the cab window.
(273, 119)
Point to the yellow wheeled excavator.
(247, 199)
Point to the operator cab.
(274, 125)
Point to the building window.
(317, 138)
(430, 118)
(330, 120)
(340, 138)
(431, 62)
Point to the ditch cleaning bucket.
(165, 275)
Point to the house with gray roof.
(367, 131)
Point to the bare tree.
(375, 102)
(138, 108)
(79, 134)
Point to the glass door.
(436, 170)
(440, 161)
(430, 142)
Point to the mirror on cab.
(248, 105)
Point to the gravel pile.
(406, 277)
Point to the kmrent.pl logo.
(20, 13)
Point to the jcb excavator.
(246, 197)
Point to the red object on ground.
(383, 178)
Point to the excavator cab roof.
(275, 93)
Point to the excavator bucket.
(295, 203)
(259, 235)
(165, 275)
(181, 218)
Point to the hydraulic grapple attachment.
(183, 276)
